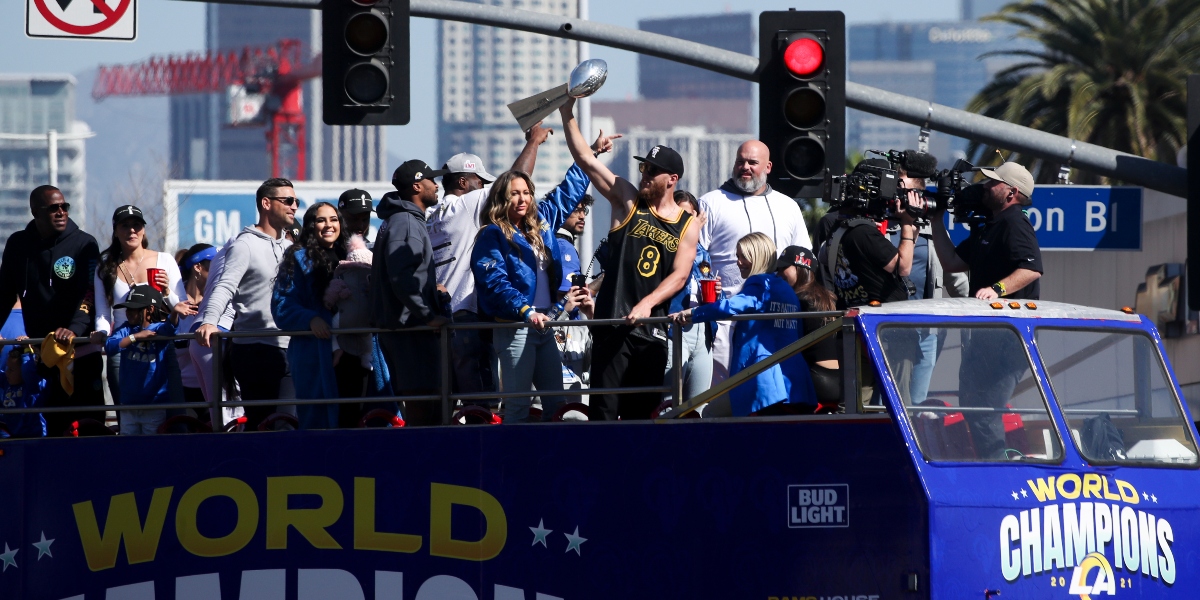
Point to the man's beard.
(749, 187)
(653, 193)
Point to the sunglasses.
(649, 169)
(54, 208)
(286, 200)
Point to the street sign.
(1080, 217)
(82, 19)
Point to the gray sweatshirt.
(245, 281)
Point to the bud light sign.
(812, 506)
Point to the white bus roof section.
(971, 307)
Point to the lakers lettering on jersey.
(643, 250)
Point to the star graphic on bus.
(9, 557)
(573, 541)
(539, 534)
(43, 547)
(1024, 494)
(1015, 497)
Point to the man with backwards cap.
(403, 290)
(356, 207)
(1005, 262)
(651, 246)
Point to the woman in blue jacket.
(763, 292)
(518, 267)
(297, 303)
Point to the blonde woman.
(762, 292)
(518, 267)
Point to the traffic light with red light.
(802, 98)
(365, 62)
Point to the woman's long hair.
(760, 250)
(495, 212)
(109, 259)
(310, 242)
(813, 294)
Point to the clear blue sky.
(172, 26)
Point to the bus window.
(969, 393)
(1113, 389)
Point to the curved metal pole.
(1152, 174)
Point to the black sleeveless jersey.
(641, 253)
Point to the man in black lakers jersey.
(651, 247)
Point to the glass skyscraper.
(944, 63)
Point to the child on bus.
(144, 363)
(22, 387)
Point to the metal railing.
(216, 401)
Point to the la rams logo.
(64, 268)
(1102, 583)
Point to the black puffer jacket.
(52, 278)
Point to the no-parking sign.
(87, 19)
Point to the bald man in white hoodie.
(742, 205)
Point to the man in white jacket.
(742, 205)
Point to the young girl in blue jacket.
(298, 303)
(763, 292)
(518, 267)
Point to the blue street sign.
(1080, 217)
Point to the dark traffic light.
(802, 98)
(364, 62)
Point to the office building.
(973, 10)
(940, 62)
(677, 95)
(35, 105)
(204, 145)
(660, 78)
(483, 69)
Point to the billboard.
(212, 212)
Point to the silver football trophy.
(585, 80)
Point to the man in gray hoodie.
(246, 281)
(404, 293)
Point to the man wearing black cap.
(404, 292)
(356, 207)
(49, 265)
(651, 246)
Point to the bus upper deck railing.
(448, 399)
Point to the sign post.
(82, 19)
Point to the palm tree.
(1109, 72)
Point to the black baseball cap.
(128, 211)
(665, 158)
(142, 296)
(355, 202)
(413, 171)
(796, 256)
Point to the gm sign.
(819, 506)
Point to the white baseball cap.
(1015, 175)
(464, 162)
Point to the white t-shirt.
(453, 225)
(732, 216)
(108, 318)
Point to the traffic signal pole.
(1125, 167)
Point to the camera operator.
(1005, 262)
(1002, 255)
(858, 262)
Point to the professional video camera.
(873, 189)
(964, 200)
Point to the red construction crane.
(267, 77)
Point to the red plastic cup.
(152, 279)
(708, 291)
